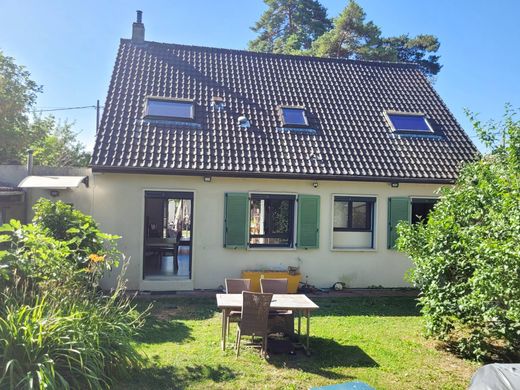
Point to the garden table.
(299, 303)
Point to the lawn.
(377, 340)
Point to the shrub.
(466, 255)
(57, 329)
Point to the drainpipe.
(26, 192)
(29, 162)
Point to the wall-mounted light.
(315, 184)
(207, 179)
(394, 184)
(55, 193)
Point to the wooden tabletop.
(280, 301)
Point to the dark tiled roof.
(344, 102)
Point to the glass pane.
(269, 241)
(340, 214)
(279, 216)
(164, 108)
(409, 122)
(256, 225)
(360, 215)
(293, 116)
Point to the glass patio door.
(168, 226)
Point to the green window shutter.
(236, 220)
(398, 210)
(308, 234)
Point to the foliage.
(467, 257)
(79, 231)
(58, 145)
(350, 37)
(17, 96)
(355, 38)
(301, 27)
(55, 144)
(57, 329)
(289, 26)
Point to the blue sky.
(70, 46)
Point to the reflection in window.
(293, 116)
(157, 108)
(271, 220)
(413, 123)
(351, 213)
(353, 222)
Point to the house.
(212, 161)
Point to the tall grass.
(58, 330)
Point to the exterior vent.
(218, 103)
(244, 122)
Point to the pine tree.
(353, 37)
(289, 26)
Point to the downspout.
(30, 165)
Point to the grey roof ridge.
(395, 64)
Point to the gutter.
(191, 172)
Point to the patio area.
(375, 339)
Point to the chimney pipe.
(29, 162)
(138, 29)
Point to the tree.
(58, 146)
(466, 255)
(54, 144)
(17, 96)
(350, 37)
(355, 38)
(419, 50)
(289, 26)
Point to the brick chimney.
(138, 29)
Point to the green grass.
(376, 340)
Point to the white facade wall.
(118, 206)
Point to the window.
(407, 209)
(353, 222)
(271, 220)
(421, 207)
(293, 116)
(168, 108)
(353, 213)
(408, 122)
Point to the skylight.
(169, 108)
(293, 116)
(408, 122)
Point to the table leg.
(299, 323)
(224, 328)
(308, 313)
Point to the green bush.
(467, 254)
(57, 328)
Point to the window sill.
(339, 249)
(270, 248)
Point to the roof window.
(406, 122)
(169, 108)
(293, 116)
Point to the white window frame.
(374, 228)
(147, 115)
(387, 114)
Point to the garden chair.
(279, 320)
(253, 321)
(236, 286)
